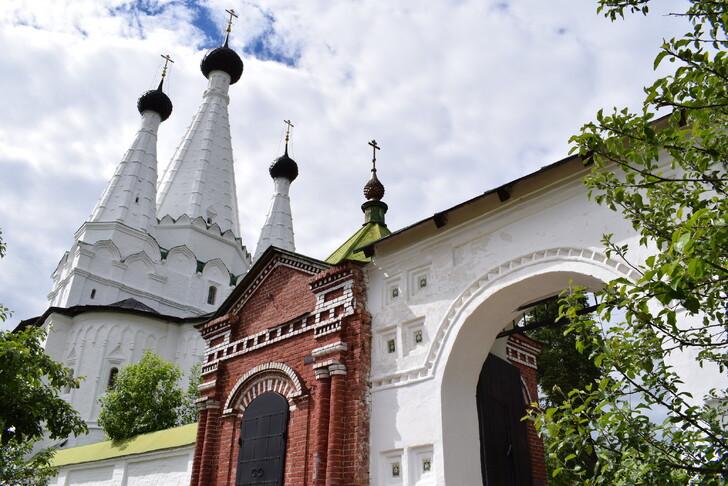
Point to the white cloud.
(461, 95)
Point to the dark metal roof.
(223, 59)
(284, 166)
(133, 304)
(156, 101)
(127, 306)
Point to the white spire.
(130, 196)
(278, 228)
(200, 180)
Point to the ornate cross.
(288, 129)
(167, 60)
(230, 21)
(375, 147)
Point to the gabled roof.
(572, 166)
(153, 441)
(367, 234)
(252, 279)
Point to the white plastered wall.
(476, 275)
(93, 343)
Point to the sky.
(461, 95)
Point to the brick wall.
(522, 352)
(299, 329)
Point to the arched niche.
(470, 335)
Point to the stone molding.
(480, 285)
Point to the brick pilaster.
(334, 460)
(199, 444)
(321, 425)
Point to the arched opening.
(263, 434)
(112, 378)
(504, 453)
(211, 295)
(472, 337)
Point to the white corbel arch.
(277, 377)
(467, 333)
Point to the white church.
(159, 254)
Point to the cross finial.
(230, 23)
(375, 147)
(167, 60)
(288, 131)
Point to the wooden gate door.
(263, 441)
(504, 454)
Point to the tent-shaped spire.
(278, 228)
(130, 196)
(374, 226)
(200, 179)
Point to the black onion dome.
(374, 190)
(156, 101)
(223, 59)
(284, 166)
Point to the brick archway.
(275, 377)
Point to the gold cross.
(167, 60)
(375, 147)
(230, 22)
(288, 129)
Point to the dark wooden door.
(262, 441)
(504, 454)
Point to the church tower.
(153, 258)
(278, 228)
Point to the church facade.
(390, 363)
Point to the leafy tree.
(668, 178)
(145, 398)
(19, 466)
(188, 411)
(30, 382)
(561, 367)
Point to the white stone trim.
(329, 349)
(478, 286)
(277, 377)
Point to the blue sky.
(462, 96)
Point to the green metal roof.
(154, 441)
(367, 234)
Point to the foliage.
(4, 311)
(561, 367)
(145, 398)
(30, 382)
(19, 467)
(668, 178)
(188, 411)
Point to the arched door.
(504, 454)
(262, 441)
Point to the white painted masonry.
(454, 288)
(140, 272)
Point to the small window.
(423, 282)
(209, 220)
(211, 295)
(93, 294)
(112, 378)
(395, 292)
(391, 346)
(136, 199)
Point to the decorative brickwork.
(296, 327)
(522, 353)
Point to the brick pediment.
(276, 290)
